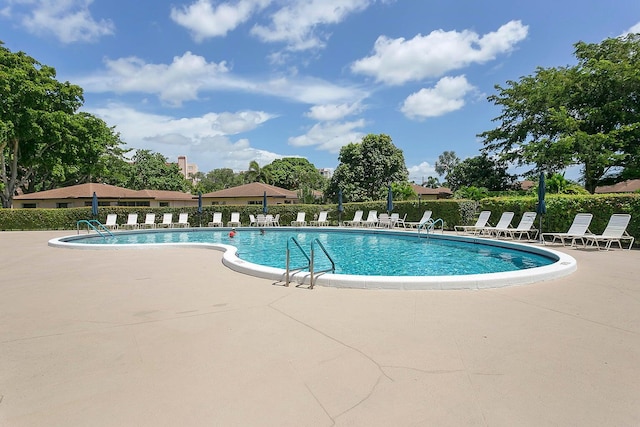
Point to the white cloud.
(397, 61)
(420, 172)
(330, 136)
(333, 112)
(633, 29)
(68, 20)
(447, 96)
(189, 75)
(297, 24)
(207, 135)
(204, 20)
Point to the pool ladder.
(430, 225)
(95, 225)
(310, 261)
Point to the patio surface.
(166, 337)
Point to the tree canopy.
(587, 114)
(480, 171)
(367, 168)
(44, 140)
(152, 171)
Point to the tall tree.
(294, 173)
(256, 174)
(480, 171)
(445, 163)
(367, 168)
(151, 171)
(37, 121)
(587, 114)
(217, 179)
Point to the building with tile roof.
(251, 194)
(630, 186)
(81, 195)
(426, 193)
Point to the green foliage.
(480, 171)
(587, 114)
(295, 173)
(446, 162)
(471, 193)
(256, 174)
(367, 168)
(151, 171)
(44, 141)
(217, 179)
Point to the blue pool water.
(364, 252)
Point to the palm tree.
(256, 173)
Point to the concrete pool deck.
(159, 337)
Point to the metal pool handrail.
(297, 269)
(333, 264)
(90, 223)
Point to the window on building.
(29, 205)
(62, 205)
(164, 204)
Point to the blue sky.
(228, 82)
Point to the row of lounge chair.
(615, 231)
(382, 220)
(149, 221)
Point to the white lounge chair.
(384, 220)
(183, 220)
(132, 221)
(252, 220)
(579, 228)
(615, 232)
(149, 221)
(503, 223)
(276, 221)
(482, 221)
(322, 219)
(524, 227)
(299, 221)
(372, 219)
(357, 220)
(112, 221)
(262, 221)
(396, 221)
(426, 217)
(216, 220)
(167, 221)
(235, 220)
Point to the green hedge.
(561, 209)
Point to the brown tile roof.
(629, 186)
(85, 191)
(420, 190)
(254, 189)
(103, 191)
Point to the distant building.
(630, 186)
(189, 170)
(81, 195)
(325, 172)
(426, 193)
(251, 194)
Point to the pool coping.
(563, 266)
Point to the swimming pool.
(364, 258)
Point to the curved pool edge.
(563, 266)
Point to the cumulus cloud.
(67, 20)
(298, 23)
(189, 75)
(633, 29)
(397, 61)
(446, 96)
(204, 20)
(330, 136)
(332, 112)
(208, 135)
(420, 172)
